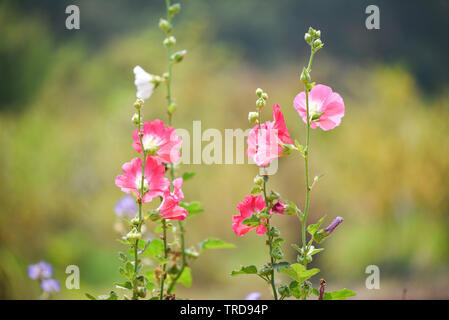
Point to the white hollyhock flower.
(143, 83)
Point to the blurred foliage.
(67, 131)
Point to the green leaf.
(186, 277)
(192, 208)
(339, 294)
(122, 257)
(188, 175)
(212, 243)
(245, 270)
(155, 249)
(299, 273)
(256, 190)
(89, 296)
(313, 228)
(294, 288)
(313, 251)
(125, 285)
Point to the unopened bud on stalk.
(308, 38)
(260, 103)
(174, 9)
(178, 56)
(135, 119)
(317, 44)
(133, 235)
(253, 117)
(165, 25)
(305, 76)
(172, 108)
(170, 41)
(258, 180)
(135, 221)
(138, 104)
(265, 96)
(259, 92)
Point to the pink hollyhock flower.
(154, 183)
(326, 107)
(169, 208)
(265, 146)
(159, 141)
(247, 208)
(278, 208)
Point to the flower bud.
(135, 119)
(174, 9)
(258, 180)
(284, 291)
(333, 225)
(273, 196)
(317, 43)
(172, 108)
(141, 292)
(133, 235)
(138, 104)
(318, 33)
(305, 76)
(154, 215)
(260, 103)
(253, 117)
(178, 56)
(165, 25)
(135, 221)
(308, 38)
(265, 96)
(170, 41)
(259, 92)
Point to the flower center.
(314, 111)
(150, 146)
(146, 186)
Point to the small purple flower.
(278, 208)
(333, 225)
(40, 270)
(126, 206)
(253, 296)
(50, 285)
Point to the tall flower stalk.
(319, 107)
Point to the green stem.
(270, 240)
(183, 260)
(306, 158)
(164, 228)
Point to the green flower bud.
(253, 117)
(135, 221)
(165, 25)
(133, 235)
(318, 34)
(172, 108)
(308, 38)
(178, 56)
(273, 196)
(305, 76)
(135, 119)
(141, 292)
(258, 180)
(259, 92)
(138, 104)
(265, 96)
(317, 44)
(260, 103)
(174, 9)
(284, 291)
(170, 41)
(265, 271)
(154, 215)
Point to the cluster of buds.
(312, 37)
(253, 117)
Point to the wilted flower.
(278, 208)
(326, 108)
(126, 206)
(333, 225)
(40, 270)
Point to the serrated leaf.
(299, 273)
(245, 270)
(313, 228)
(213, 243)
(186, 277)
(188, 175)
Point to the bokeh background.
(65, 105)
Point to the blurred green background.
(65, 106)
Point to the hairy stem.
(270, 240)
